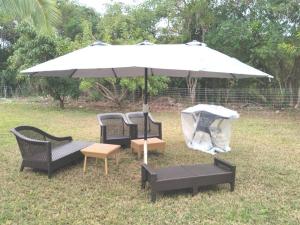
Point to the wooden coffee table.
(101, 151)
(137, 145)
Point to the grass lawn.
(266, 151)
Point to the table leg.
(84, 164)
(106, 167)
(97, 168)
(117, 158)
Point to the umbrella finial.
(101, 43)
(195, 43)
(146, 42)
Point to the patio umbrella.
(193, 59)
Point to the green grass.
(266, 151)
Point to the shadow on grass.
(209, 190)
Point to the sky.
(99, 5)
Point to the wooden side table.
(101, 151)
(137, 145)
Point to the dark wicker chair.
(43, 151)
(154, 128)
(114, 129)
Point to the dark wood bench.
(192, 176)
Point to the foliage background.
(264, 34)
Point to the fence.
(181, 97)
(250, 98)
(18, 91)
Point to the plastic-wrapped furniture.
(114, 129)
(192, 176)
(204, 122)
(43, 151)
(208, 127)
(154, 128)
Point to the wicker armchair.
(43, 151)
(154, 128)
(114, 129)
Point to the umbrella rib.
(233, 75)
(114, 72)
(74, 71)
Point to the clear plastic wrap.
(207, 128)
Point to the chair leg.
(195, 190)
(153, 196)
(49, 172)
(232, 186)
(143, 185)
(22, 167)
(143, 178)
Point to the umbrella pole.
(145, 110)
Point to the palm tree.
(42, 14)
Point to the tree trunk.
(204, 29)
(61, 102)
(113, 95)
(291, 102)
(205, 92)
(296, 73)
(226, 95)
(5, 91)
(298, 99)
(191, 85)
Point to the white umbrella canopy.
(193, 59)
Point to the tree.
(196, 17)
(33, 48)
(42, 14)
(259, 33)
(60, 88)
(74, 19)
(8, 37)
(116, 89)
(119, 25)
(264, 34)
